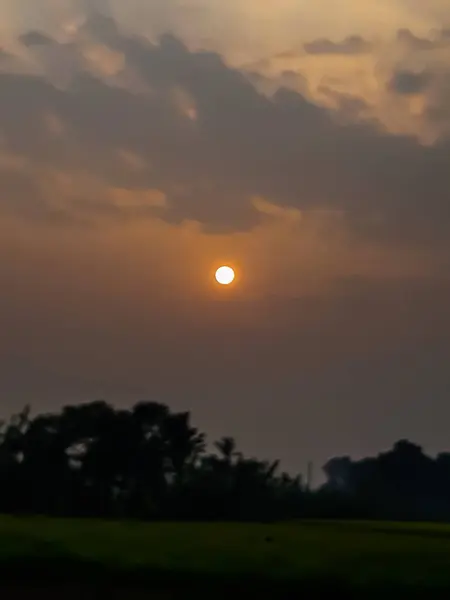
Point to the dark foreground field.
(176, 560)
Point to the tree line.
(147, 462)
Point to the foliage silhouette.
(150, 463)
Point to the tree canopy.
(148, 462)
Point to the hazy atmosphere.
(307, 144)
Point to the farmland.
(290, 557)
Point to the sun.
(225, 275)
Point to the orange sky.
(306, 145)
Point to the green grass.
(356, 555)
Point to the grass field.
(365, 557)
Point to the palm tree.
(227, 449)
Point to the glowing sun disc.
(225, 275)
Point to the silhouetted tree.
(148, 462)
(402, 483)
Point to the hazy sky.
(144, 143)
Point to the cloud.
(136, 200)
(274, 211)
(36, 38)
(211, 142)
(354, 44)
(414, 42)
(4, 55)
(408, 83)
(438, 108)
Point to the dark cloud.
(17, 190)
(438, 110)
(348, 106)
(353, 44)
(239, 144)
(416, 43)
(409, 83)
(36, 38)
(101, 26)
(440, 39)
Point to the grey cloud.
(432, 81)
(406, 36)
(36, 38)
(409, 83)
(19, 194)
(438, 110)
(242, 144)
(101, 26)
(348, 106)
(353, 44)
(100, 7)
(440, 39)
